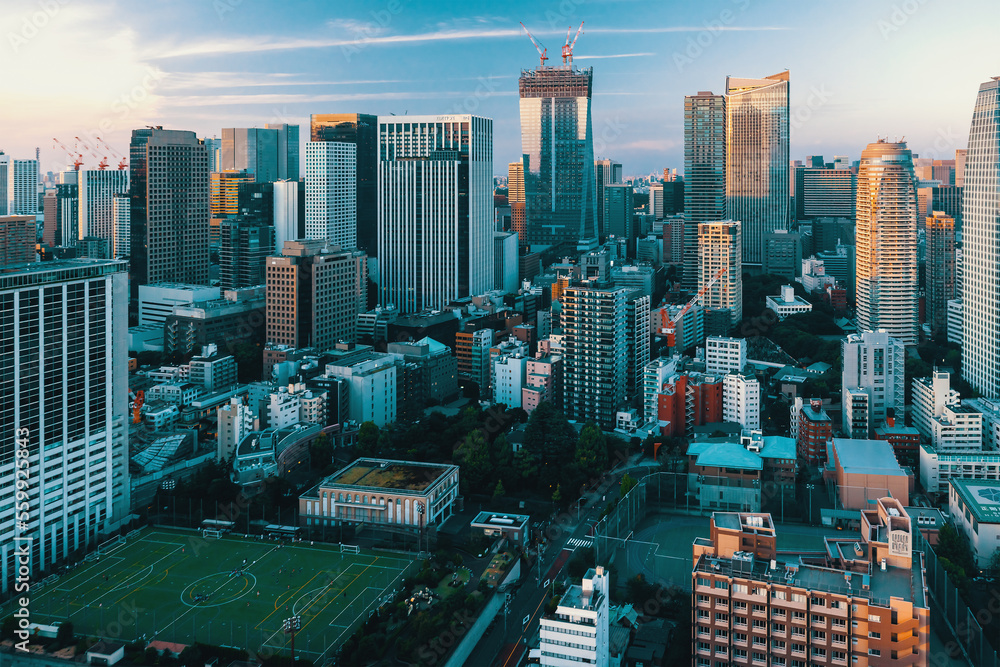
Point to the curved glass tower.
(981, 246)
(558, 147)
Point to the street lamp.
(291, 626)
(578, 505)
(420, 524)
(809, 489)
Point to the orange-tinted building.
(905, 440)
(862, 601)
(686, 401)
(815, 431)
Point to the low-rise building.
(729, 475)
(543, 382)
(273, 452)
(725, 355)
(240, 316)
(437, 368)
(865, 470)
(974, 504)
(514, 527)
(905, 440)
(938, 468)
(372, 382)
(786, 303)
(157, 300)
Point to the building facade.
(331, 186)
(98, 189)
(578, 631)
(244, 247)
(873, 366)
(720, 266)
(606, 172)
(17, 239)
(940, 238)
(704, 173)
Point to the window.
(740, 637)
(702, 598)
(722, 585)
(703, 630)
(818, 652)
(758, 623)
(759, 641)
(839, 639)
(816, 618)
(759, 608)
(874, 651)
(875, 635)
(721, 634)
(777, 627)
(777, 644)
(702, 581)
(778, 613)
(798, 632)
(819, 635)
(739, 588)
(722, 618)
(798, 616)
(873, 618)
(739, 606)
(839, 655)
(759, 657)
(777, 595)
(817, 602)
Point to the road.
(529, 599)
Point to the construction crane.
(123, 161)
(136, 400)
(75, 157)
(542, 52)
(567, 49)
(670, 330)
(103, 164)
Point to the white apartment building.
(741, 400)
(655, 375)
(930, 396)
(371, 388)
(235, 420)
(295, 404)
(725, 355)
(814, 277)
(955, 321)
(938, 468)
(63, 401)
(720, 247)
(959, 428)
(98, 189)
(510, 372)
(331, 202)
(121, 213)
(22, 187)
(157, 301)
(786, 303)
(578, 632)
(874, 364)
(990, 410)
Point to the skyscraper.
(314, 294)
(515, 197)
(618, 209)
(720, 247)
(97, 207)
(244, 246)
(940, 238)
(757, 164)
(886, 229)
(557, 142)
(22, 187)
(873, 366)
(289, 212)
(269, 153)
(981, 246)
(331, 185)
(288, 150)
(596, 352)
(62, 211)
(435, 209)
(168, 185)
(65, 395)
(704, 173)
(362, 131)
(122, 213)
(824, 193)
(4, 178)
(17, 239)
(606, 172)
(223, 199)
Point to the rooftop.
(498, 520)
(386, 474)
(872, 457)
(981, 496)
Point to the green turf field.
(181, 587)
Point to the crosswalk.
(580, 543)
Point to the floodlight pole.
(291, 625)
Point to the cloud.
(201, 80)
(278, 98)
(615, 55)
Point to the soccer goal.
(111, 545)
(211, 532)
(349, 549)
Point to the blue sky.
(859, 69)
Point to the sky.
(860, 69)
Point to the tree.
(473, 457)
(368, 439)
(498, 490)
(627, 484)
(549, 435)
(994, 564)
(557, 494)
(592, 450)
(65, 636)
(321, 452)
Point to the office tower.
(255, 202)
(17, 239)
(841, 162)
(515, 197)
(927, 169)
(886, 230)
(435, 210)
(289, 212)
(824, 193)
(618, 209)
(4, 181)
(22, 187)
(362, 131)
(94, 247)
(815, 162)
(873, 366)
(783, 254)
(757, 159)
(61, 209)
(606, 172)
(168, 185)
(961, 156)
(578, 632)
(213, 145)
(981, 246)
(270, 153)
(65, 395)
(704, 173)
(244, 247)
(224, 198)
(655, 207)
(314, 294)
(948, 200)
(793, 609)
(121, 213)
(720, 266)
(331, 186)
(505, 262)
(97, 206)
(940, 268)
(557, 142)
(594, 364)
(638, 336)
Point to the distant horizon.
(91, 69)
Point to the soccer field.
(181, 587)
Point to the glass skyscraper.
(557, 142)
(757, 166)
(981, 245)
(704, 173)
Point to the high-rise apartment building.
(981, 246)
(97, 201)
(168, 186)
(720, 266)
(435, 210)
(595, 359)
(741, 400)
(121, 211)
(865, 596)
(65, 398)
(472, 353)
(558, 148)
(873, 366)
(362, 131)
(4, 181)
(331, 190)
(725, 355)
(270, 153)
(757, 178)
(940, 271)
(17, 239)
(244, 247)
(62, 211)
(638, 336)
(314, 294)
(704, 173)
(606, 172)
(886, 231)
(618, 207)
(515, 197)
(22, 187)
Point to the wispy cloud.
(278, 98)
(614, 55)
(697, 28)
(184, 80)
